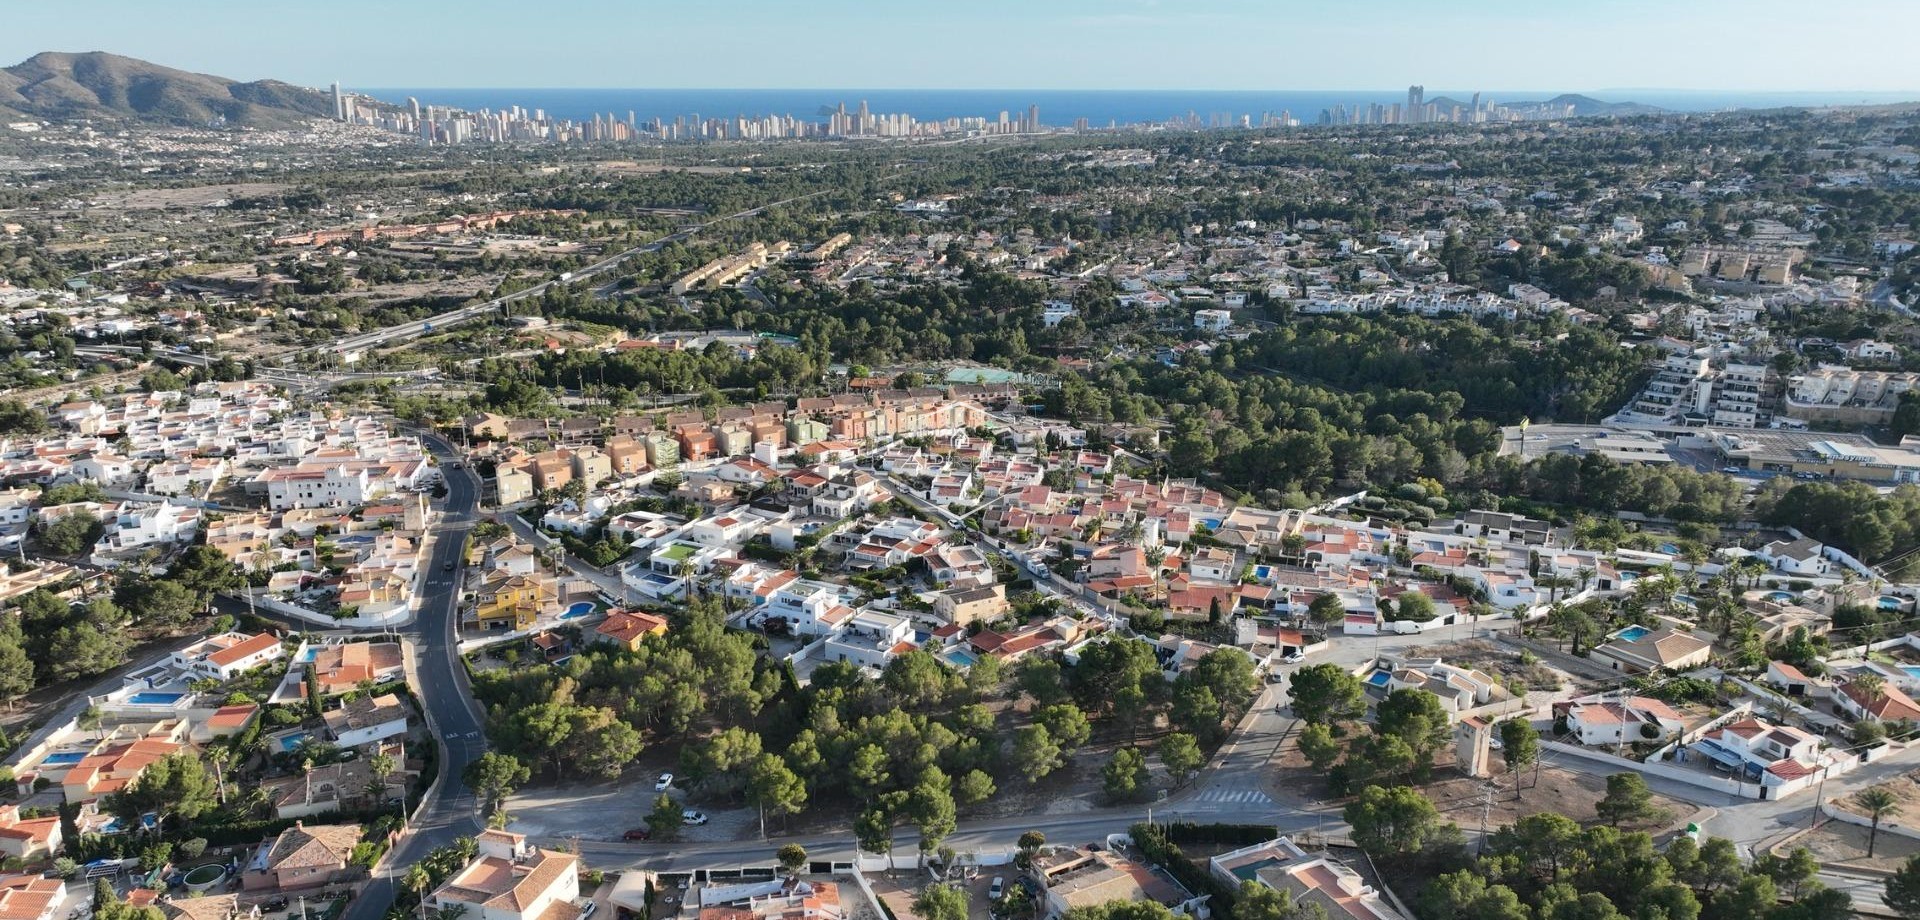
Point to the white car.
(1295, 658)
(692, 817)
(664, 783)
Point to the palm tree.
(220, 757)
(1878, 803)
(379, 766)
(418, 881)
(1585, 574)
(90, 720)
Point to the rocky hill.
(60, 86)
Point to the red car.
(638, 833)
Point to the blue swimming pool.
(577, 610)
(1263, 572)
(1913, 671)
(307, 655)
(1670, 549)
(1629, 576)
(63, 759)
(155, 698)
(959, 658)
(1632, 633)
(1379, 678)
(1889, 602)
(1686, 599)
(292, 742)
(1779, 597)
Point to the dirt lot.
(197, 197)
(1906, 788)
(1503, 662)
(1846, 844)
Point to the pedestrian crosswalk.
(1234, 796)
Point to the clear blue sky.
(1040, 44)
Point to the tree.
(665, 819)
(941, 902)
(792, 857)
(176, 785)
(494, 776)
(973, 787)
(1035, 754)
(1877, 802)
(1392, 822)
(71, 534)
(1627, 799)
(1326, 694)
(1066, 724)
(1181, 754)
(773, 786)
(379, 767)
(1790, 873)
(1903, 889)
(1318, 746)
(1520, 742)
(1030, 843)
(1818, 903)
(316, 698)
(1125, 776)
(930, 808)
(1416, 717)
(16, 668)
(1197, 711)
(161, 602)
(1326, 610)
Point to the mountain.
(55, 85)
(1584, 106)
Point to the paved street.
(440, 681)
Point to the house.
(628, 628)
(1772, 755)
(1619, 719)
(32, 897)
(367, 719)
(1212, 563)
(1459, 689)
(870, 639)
(511, 486)
(963, 606)
(209, 907)
(119, 759)
(780, 899)
(1089, 878)
(302, 857)
(322, 790)
(226, 656)
(1640, 650)
(508, 879)
(1788, 679)
(1504, 528)
(1885, 704)
(1214, 321)
(343, 667)
(511, 602)
(28, 839)
(1802, 557)
(1311, 878)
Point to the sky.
(1559, 45)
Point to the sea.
(1056, 107)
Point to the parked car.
(689, 816)
(587, 909)
(1295, 658)
(996, 888)
(663, 783)
(638, 833)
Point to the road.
(408, 330)
(440, 681)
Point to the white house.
(1797, 557)
(1214, 321)
(227, 655)
(363, 720)
(870, 639)
(1598, 720)
(510, 879)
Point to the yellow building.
(511, 602)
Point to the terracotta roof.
(301, 847)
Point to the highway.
(439, 680)
(404, 331)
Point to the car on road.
(996, 888)
(638, 833)
(1733, 470)
(694, 818)
(664, 783)
(1295, 658)
(448, 566)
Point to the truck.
(566, 277)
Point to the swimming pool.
(959, 658)
(292, 742)
(1670, 549)
(1263, 572)
(1629, 576)
(1779, 597)
(1632, 634)
(155, 698)
(63, 759)
(307, 655)
(1685, 599)
(577, 610)
(1379, 678)
(1889, 602)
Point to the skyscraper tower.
(339, 103)
(414, 104)
(1033, 117)
(1416, 102)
